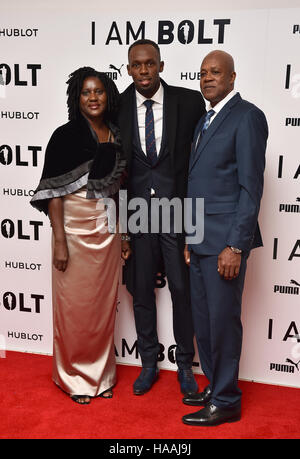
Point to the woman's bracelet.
(125, 237)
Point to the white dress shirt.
(157, 109)
(218, 107)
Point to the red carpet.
(32, 407)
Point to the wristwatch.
(235, 250)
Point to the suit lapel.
(196, 137)
(170, 118)
(214, 126)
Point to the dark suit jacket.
(226, 169)
(182, 110)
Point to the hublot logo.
(17, 192)
(24, 336)
(22, 265)
(9, 32)
(19, 115)
(190, 76)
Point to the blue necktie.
(207, 118)
(149, 132)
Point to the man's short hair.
(145, 41)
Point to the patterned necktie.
(207, 118)
(149, 132)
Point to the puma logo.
(111, 66)
(292, 281)
(293, 363)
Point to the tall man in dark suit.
(157, 122)
(226, 169)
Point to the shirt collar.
(218, 107)
(158, 97)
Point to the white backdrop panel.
(35, 67)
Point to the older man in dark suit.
(226, 169)
(157, 123)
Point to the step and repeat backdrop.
(38, 50)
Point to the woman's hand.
(126, 250)
(60, 255)
(60, 252)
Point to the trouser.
(148, 251)
(216, 308)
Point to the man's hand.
(187, 255)
(229, 264)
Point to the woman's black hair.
(75, 83)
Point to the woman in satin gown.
(84, 166)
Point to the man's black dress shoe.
(211, 415)
(144, 382)
(198, 399)
(186, 378)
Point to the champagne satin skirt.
(84, 300)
